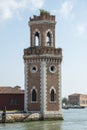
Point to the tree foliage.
(44, 12)
(65, 101)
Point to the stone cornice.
(41, 22)
(42, 56)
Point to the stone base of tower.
(31, 116)
(52, 116)
(47, 116)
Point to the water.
(74, 119)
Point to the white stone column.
(59, 86)
(25, 94)
(43, 87)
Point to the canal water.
(74, 119)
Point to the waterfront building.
(42, 62)
(11, 98)
(78, 99)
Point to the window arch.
(34, 95)
(36, 39)
(52, 96)
(52, 93)
(48, 39)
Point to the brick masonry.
(43, 57)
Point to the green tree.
(44, 12)
(64, 101)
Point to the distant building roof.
(78, 94)
(75, 94)
(10, 90)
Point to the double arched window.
(46, 37)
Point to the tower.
(43, 68)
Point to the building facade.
(78, 99)
(11, 98)
(43, 68)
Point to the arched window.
(52, 95)
(34, 95)
(48, 39)
(36, 42)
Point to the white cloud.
(37, 4)
(9, 8)
(81, 28)
(54, 11)
(66, 9)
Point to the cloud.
(54, 11)
(9, 8)
(81, 28)
(66, 9)
(37, 5)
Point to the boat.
(73, 107)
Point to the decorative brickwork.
(26, 87)
(43, 68)
(59, 85)
(43, 87)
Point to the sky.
(71, 36)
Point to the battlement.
(44, 15)
(42, 50)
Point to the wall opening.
(34, 95)
(36, 38)
(52, 96)
(48, 39)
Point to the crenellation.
(42, 50)
(43, 17)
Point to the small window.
(34, 69)
(52, 68)
(34, 95)
(52, 96)
(17, 101)
(11, 101)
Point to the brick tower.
(43, 68)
